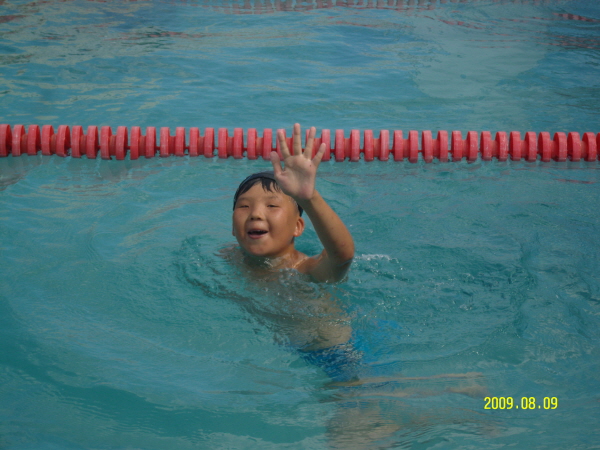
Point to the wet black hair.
(268, 181)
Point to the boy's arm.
(333, 263)
(297, 180)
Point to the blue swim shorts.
(342, 362)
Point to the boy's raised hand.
(297, 178)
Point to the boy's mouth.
(255, 234)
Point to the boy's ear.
(299, 227)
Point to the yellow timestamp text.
(525, 403)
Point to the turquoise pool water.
(122, 327)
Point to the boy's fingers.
(276, 162)
(282, 144)
(319, 155)
(297, 140)
(310, 142)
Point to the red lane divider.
(77, 143)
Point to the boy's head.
(265, 219)
(268, 181)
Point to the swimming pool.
(121, 328)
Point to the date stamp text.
(522, 403)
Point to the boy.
(267, 215)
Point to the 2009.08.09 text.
(525, 403)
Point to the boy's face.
(265, 222)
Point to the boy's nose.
(257, 212)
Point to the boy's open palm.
(297, 178)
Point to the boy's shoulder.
(316, 267)
(305, 264)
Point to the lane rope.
(100, 142)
